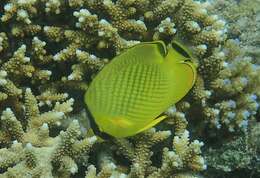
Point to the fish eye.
(180, 49)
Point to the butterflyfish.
(131, 92)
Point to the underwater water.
(129, 88)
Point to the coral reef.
(243, 20)
(241, 153)
(33, 150)
(238, 156)
(182, 157)
(51, 49)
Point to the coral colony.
(50, 50)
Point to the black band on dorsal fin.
(162, 47)
(179, 48)
(160, 44)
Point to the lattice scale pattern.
(137, 91)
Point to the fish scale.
(132, 92)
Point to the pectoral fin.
(153, 123)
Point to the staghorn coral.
(243, 20)
(51, 49)
(31, 150)
(184, 156)
(176, 161)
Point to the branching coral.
(243, 20)
(32, 150)
(51, 49)
(237, 85)
(185, 155)
(175, 162)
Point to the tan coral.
(42, 152)
(69, 42)
(3, 41)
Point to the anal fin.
(153, 123)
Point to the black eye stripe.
(180, 50)
(95, 127)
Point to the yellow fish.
(136, 87)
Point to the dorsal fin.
(162, 48)
(181, 49)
